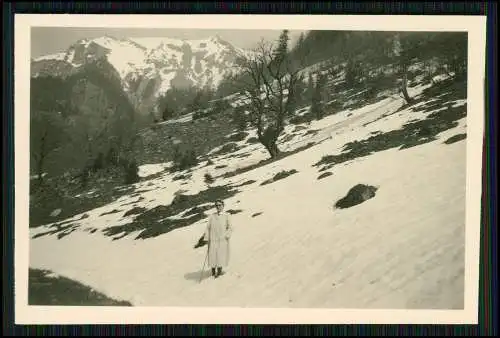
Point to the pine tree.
(317, 102)
(282, 48)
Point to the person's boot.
(219, 271)
(214, 273)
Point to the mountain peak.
(215, 38)
(149, 66)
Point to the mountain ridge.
(148, 67)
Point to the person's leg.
(212, 258)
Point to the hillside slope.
(403, 248)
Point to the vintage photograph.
(250, 168)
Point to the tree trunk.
(41, 158)
(404, 89)
(272, 149)
(40, 170)
(268, 139)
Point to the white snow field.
(402, 249)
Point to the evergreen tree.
(318, 98)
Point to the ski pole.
(203, 269)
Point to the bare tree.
(404, 50)
(267, 79)
(46, 136)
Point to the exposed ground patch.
(234, 212)
(253, 140)
(159, 220)
(265, 162)
(60, 230)
(245, 183)
(279, 176)
(197, 210)
(237, 137)
(411, 134)
(226, 149)
(325, 174)
(71, 201)
(45, 289)
(134, 211)
(114, 211)
(133, 202)
(456, 138)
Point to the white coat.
(217, 234)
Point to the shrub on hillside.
(218, 107)
(199, 114)
(333, 107)
(43, 201)
(353, 72)
(239, 118)
(131, 171)
(236, 137)
(253, 140)
(371, 93)
(167, 114)
(108, 167)
(209, 179)
(227, 148)
(183, 160)
(105, 170)
(305, 118)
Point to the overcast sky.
(49, 40)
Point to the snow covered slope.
(403, 248)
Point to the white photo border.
(475, 26)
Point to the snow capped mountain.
(148, 67)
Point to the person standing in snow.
(217, 234)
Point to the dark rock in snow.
(356, 195)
